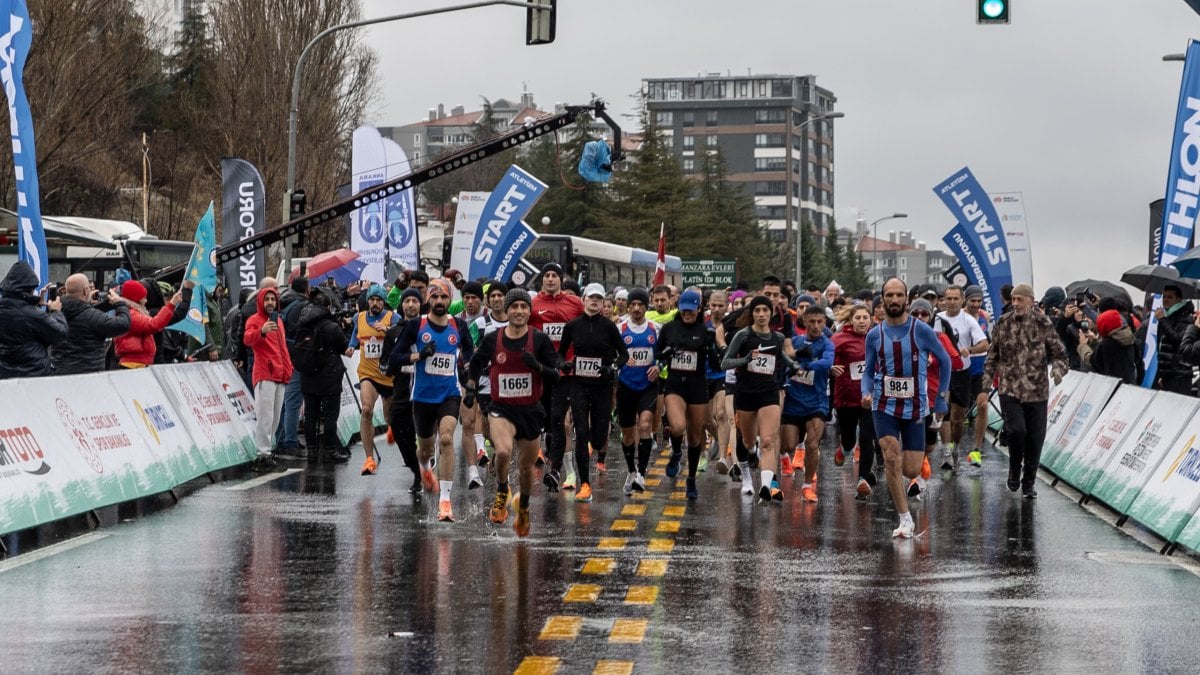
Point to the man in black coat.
(28, 331)
(322, 384)
(1176, 314)
(88, 328)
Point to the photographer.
(89, 327)
(28, 331)
(1068, 326)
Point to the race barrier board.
(1169, 499)
(72, 444)
(1138, 456)
(1062, 403)
(1080, 465)
(351, 409)
(1083, 405)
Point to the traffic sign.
(710, 273)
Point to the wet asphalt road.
(325, 570)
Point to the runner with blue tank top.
(893, 388)
(443, 347)
(806, 406)
(637, 389)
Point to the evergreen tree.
(725, 224)
(833, 254)
(854, 270)
(813, 268)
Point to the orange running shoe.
(499, 512)
(430, 481)
(798, 456)
(856, 453)
(391, 438)
(839, 457)
(786, 463)
(926, 470)
(584, 494)
(445, 514)
(369, 466)
(809, 493)
(521, 523)
(863, 488)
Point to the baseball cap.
(689, 300)
(593, 289)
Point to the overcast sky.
(1071, 104)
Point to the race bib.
(763, 364)
(684, 362)
(408, 370)
(553, 331)
(587, 366)
(372, 349)
(730, 377)
(856, 370)
(642, 356)
(899, 387)
(803, 377)
(515, 385)
(440, 364)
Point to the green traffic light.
(994, 9)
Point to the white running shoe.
(639, 482)
(747, 484)
(905, 531)
(629, 483)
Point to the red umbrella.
(323, 263)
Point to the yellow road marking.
(643, 495)
(633, 510)
(641, 595)
(624, 525)
(611, 543)
(609, 667)
(674, 511)
(631, 631)
(660, 545)
(653, 482)
(561, 628)
(652, 567)
(656, 471)
(671, 526)
(538, 665)
(582, 593)
(598, 566)
(678, 495)
(661, 462)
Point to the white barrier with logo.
(1062, 403)
(1139, 455)
(1080, 464)
(72, 444)
(1169, 499)
(350, 414)
(1085, 403)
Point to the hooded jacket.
(1118, 354)
(272, 363)
(83, 350)
(333, 342)
(28, 332)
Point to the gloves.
(795, 369)
(469, 395)
(666, 353)
(1057, 378)
(568, 368)
(531, 361)
(804, 352)
(427, 351)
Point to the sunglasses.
(922, 314)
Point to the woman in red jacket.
(136, 348)
(849, 358)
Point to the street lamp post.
(875, 243)
(294, 111)
(796, 238)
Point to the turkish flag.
(660, 268)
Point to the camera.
(51, 292)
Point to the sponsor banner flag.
(1183, 188)
(1156, 221)
(956, 275)
(201, 270)
(466, 221)
(1081, 466)
(502, 237)
(1143, 450)
(400, 213)
(982, 235)
(243, 215)
(970, 267)
(1010, 206)
(368, 231)
(15, 38)
(1169, 499)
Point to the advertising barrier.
(1080, 465)
(1061, 403)
(351, 410)
(1139, 455)
(1169, 499)
(72, 444)
(1085, 403)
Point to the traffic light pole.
(294, 111)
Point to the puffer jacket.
(333, 342)
(28, 332)
(138, 346)
(83, 350)
(1171, 331)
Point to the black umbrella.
(1188, 264)
(1155, 278)
(1101, 289)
